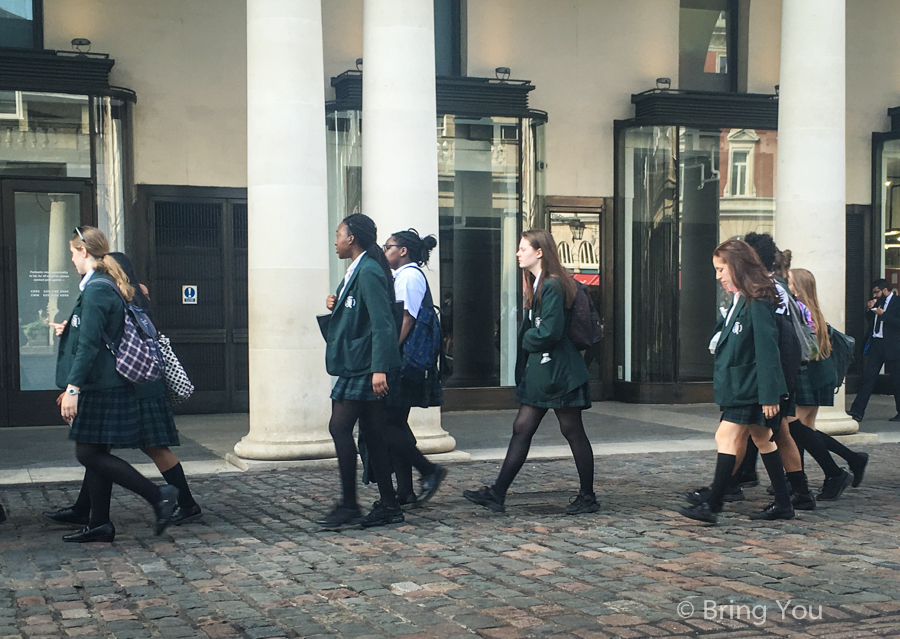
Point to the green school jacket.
(362, 333)
(553, 366)
(748, 362)
(83, 359)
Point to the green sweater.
(552, 364)
(748, 362)
(83, 359)
(362, 334)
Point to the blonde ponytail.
(108, 264)
(92, 239)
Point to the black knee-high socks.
(175, 477)
(810, 441)
(775, 470)
(724, 468)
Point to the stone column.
(399, 181)
(288, 232)
(810, 211)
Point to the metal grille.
(856, 282)
(188, 225)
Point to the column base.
(284, 451)
(425, 424)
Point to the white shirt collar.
(86, 279)
(405, 266)
(352, 268)
(537, 281)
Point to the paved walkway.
(257, 566)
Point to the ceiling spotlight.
(502, 73)
(663, 84)
(359, 64)
(81, 45)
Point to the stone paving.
(258, 566)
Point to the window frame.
(37, 30)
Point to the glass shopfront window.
(490, 187)
(706, 42)
(682, 192)
(887, 212)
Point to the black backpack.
(789, 347)
(841, 353)
(585, 328)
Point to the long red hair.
(551, 269)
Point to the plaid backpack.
(422, 346)
(138, 357)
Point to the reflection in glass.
(17, 24)
(46, 280)
(45, 135)
(111, 119)
(890, 211)
(344, 153)
(703, 41)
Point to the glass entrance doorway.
(40, 285)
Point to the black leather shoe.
(804, 502)
(701, 495)
(859, 468)
(485, 496)
(2, 514)
(185, 515)
(855, 417)
(773, 511)
(340, 516)
(407, 500)
(67, 516)
(835, 486)
(431, 483)
(583, 503)
(700, 512)
(748, 480)
(895, 418)
(104, 532)
(165, 508)
(382, 515)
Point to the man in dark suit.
(882, 348)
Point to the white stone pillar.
(810, 211)
(399, 178)
(288, 232)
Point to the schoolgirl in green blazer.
(551, 374)
(815, 387)
(748, 382)
(361, 351)
(100, 406)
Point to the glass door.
(40, 285)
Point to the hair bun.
(429, 241)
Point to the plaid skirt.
(157, 425)
(806, 395)
(751, 415)
(357, 388)
(404, 392)
(107, 417)
(578, 398)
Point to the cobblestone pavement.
(259, 567)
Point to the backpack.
(809, 345)
(842, 347)
(789, 349)
(421, 348)
(585, 328)
(138, 357)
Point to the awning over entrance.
(588, 279)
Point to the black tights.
(372, 417)
(524, 428)
(404, 453)
(102, 470)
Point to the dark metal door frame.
(25, 408)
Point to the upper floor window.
(21, 24)
(707, 41)
(586, 254)
(565, 252)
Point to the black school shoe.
(701, 512)
(67, 516)
(340, 516)
(748, 480)
(701, 495)
(382, 515)
(431, 483)
(859, 468)
(835, 486)
(583, 503)
(103, 533)
(804, 502)
(773, 511)
(185, 515)
(165, 508)
(485, 496)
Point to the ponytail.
(95, 243)
(365, 233)
(108, 265)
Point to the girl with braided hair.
(361, 351)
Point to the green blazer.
(748, 362)
(83, 359)
(552, 364)
(362, 334)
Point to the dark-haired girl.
(361, 351)
(406, 252)
(98, 403)
(157, 431)
(551, 374)
(748, 382)
(815, 387)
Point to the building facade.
(221, 149)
